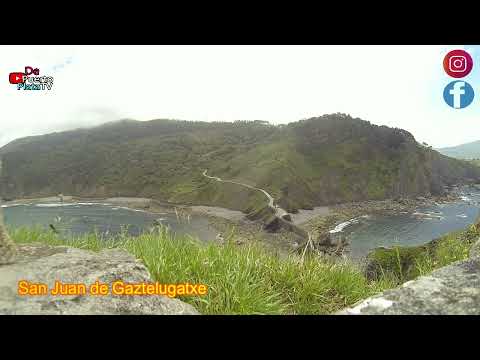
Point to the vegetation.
(406, 263)
(475, 162)
(241, 279)
(249, 279)
(464, 151)
(325, 160)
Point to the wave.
(53, 205)
(127, 208)
(341, 226)
(428, 215)
(92, 203)
(12, 205)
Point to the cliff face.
(330, 159)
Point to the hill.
(464, 151)
(324, 160)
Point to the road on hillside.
(278, 210)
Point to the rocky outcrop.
(7, 246)
(38, 263)
(475, 250)
(453, 289)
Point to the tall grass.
(450, 248)
(243, 279)
(92, 241)
(402, 264)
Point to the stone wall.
(37, 263)
(451, 290)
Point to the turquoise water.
(80, 218)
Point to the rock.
(453, 290)
(287, 217)
(39, 263)
(475, 250)
(220, 238)
(274, 225)
(324, 239)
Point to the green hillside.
(464, 151)
(325, 160)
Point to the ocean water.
(364, 233)
(80, 218)
(410, 228)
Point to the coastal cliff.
(319, 161)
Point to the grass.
(402, 264)
(248, 279)
(243, 279)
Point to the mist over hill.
(324, 160)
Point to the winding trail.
(279, 212)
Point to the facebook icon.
(458, 94)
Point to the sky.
(397, 86)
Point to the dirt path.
(278, 210)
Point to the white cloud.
(397, 86)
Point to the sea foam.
(341, 226)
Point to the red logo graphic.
(458, 63)
(16, 77)
(30, 80)
(29, 71)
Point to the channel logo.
(25, 80)
(458, 94)
(16, 78)
(458, 63)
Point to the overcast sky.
(399, 86)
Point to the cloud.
(397, 86)
(88, 117)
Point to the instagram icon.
(458, 63)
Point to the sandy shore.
(305, 215)
(50, 199)
(233, 215)
(146, 204)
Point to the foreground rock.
(451, 290)
(46, 264)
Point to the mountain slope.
(464, 151)
(329, 159)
